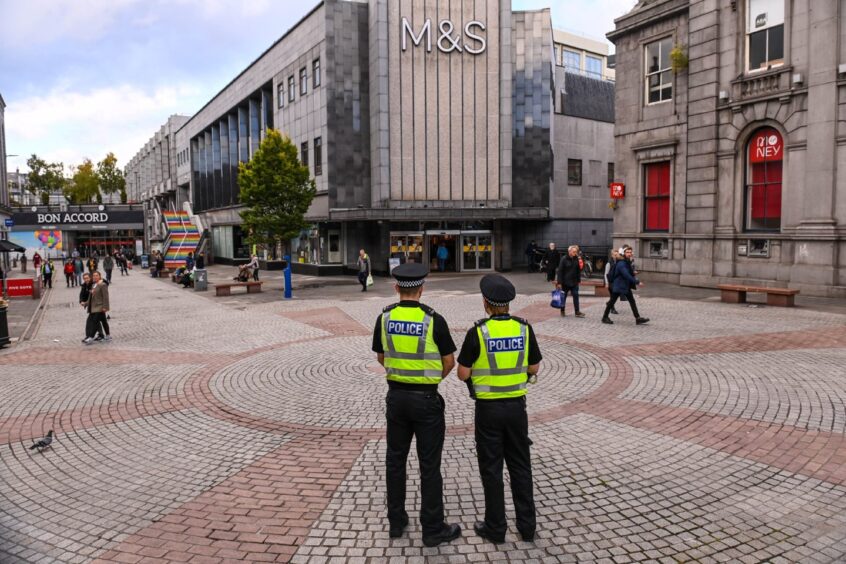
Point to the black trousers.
(502, 433)
(109, 275)
(96, 323)
(48, 280)
(629, 298)
(415, 414)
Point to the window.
(280, 94)
(304, 153)
(291, 88)
(610, 173)
(593, 66)
(659, 77)
(303, 81)
(764, 34)
(574, 172)
(763, 180)
(315, 73)
(572, 61)
(318, 156)
(657, 196)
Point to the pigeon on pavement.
(43, 443)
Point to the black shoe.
(396, 531)
(614, 311)
(528, 537)
(563, 313)
(607, 321)
(484, 531)
(579, 314)
(641, 320)
(448, 533)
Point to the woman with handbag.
(364, 275)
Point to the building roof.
(586, 97)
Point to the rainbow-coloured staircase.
(183, 237)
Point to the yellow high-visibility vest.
(411, 355)
(501, 371)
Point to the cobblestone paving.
(213, 431)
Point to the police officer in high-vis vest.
(500, 355)
(413, 343)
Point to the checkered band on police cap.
(410, 283)
(410, 274)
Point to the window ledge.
(762, 83)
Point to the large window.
(303, 81)
(572, 61)
(593, 66)
(315, 72)
(764, 34)
(610, 173)
(657, 196)
(659, 77)
(280, 94)
(574, 172)
(764, 157)
(291, 89)
(318, 156)
(304, 153)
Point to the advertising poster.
(47, 243)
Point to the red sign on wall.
(19, 287)
(766, 146)
(618, 190)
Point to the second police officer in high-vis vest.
(500, 355)
(413, 343)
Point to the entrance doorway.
(443, 255)
(476, 251)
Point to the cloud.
(68, 126)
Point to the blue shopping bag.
(556, 299)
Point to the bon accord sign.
(78, 219)
(66, 217)
(449, 36)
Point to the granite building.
(425, 125)
(4, 184)
(731, 142)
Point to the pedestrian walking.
(499, 356)
(160, 263)
(70, 277)
(108, 266)
(364, 272)
(23, 263)
(568, 278)
(414, 345)
(47, 270)
(92, 264)
(84, 302)
(36, 262)
(615, 256)
(98, 301)
(531, 250)
(122, 263)
(78, 269)
(443, 256)
(623, 281)
(550, 261)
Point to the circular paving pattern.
(349, 392)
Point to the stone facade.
(4, 184)
(718, 228)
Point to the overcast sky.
(84, 77)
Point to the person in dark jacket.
(84, 301)
(201, 261)
(623, 282)
(550, 261)
(568, 277)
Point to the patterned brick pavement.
(213, 432)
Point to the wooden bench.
(226, 289)
(599, 288)
(736, 294)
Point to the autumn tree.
(276, 192)
(84, 186)
(111, 177)
(44, 178)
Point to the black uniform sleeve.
(440, 332)
(377, 336)
(535, 355)
(470, 349)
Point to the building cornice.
(638, 18)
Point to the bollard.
(287, 259)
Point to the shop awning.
(9, 247)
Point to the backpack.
(612, 273)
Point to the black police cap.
(410, 274)
(497, 290)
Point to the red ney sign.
(618, 190)
(766, 146)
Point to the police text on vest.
(506, 344)
(409, 328)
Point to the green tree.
(111, 177)
(45, 178)
(84, 186)
(276, 191)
